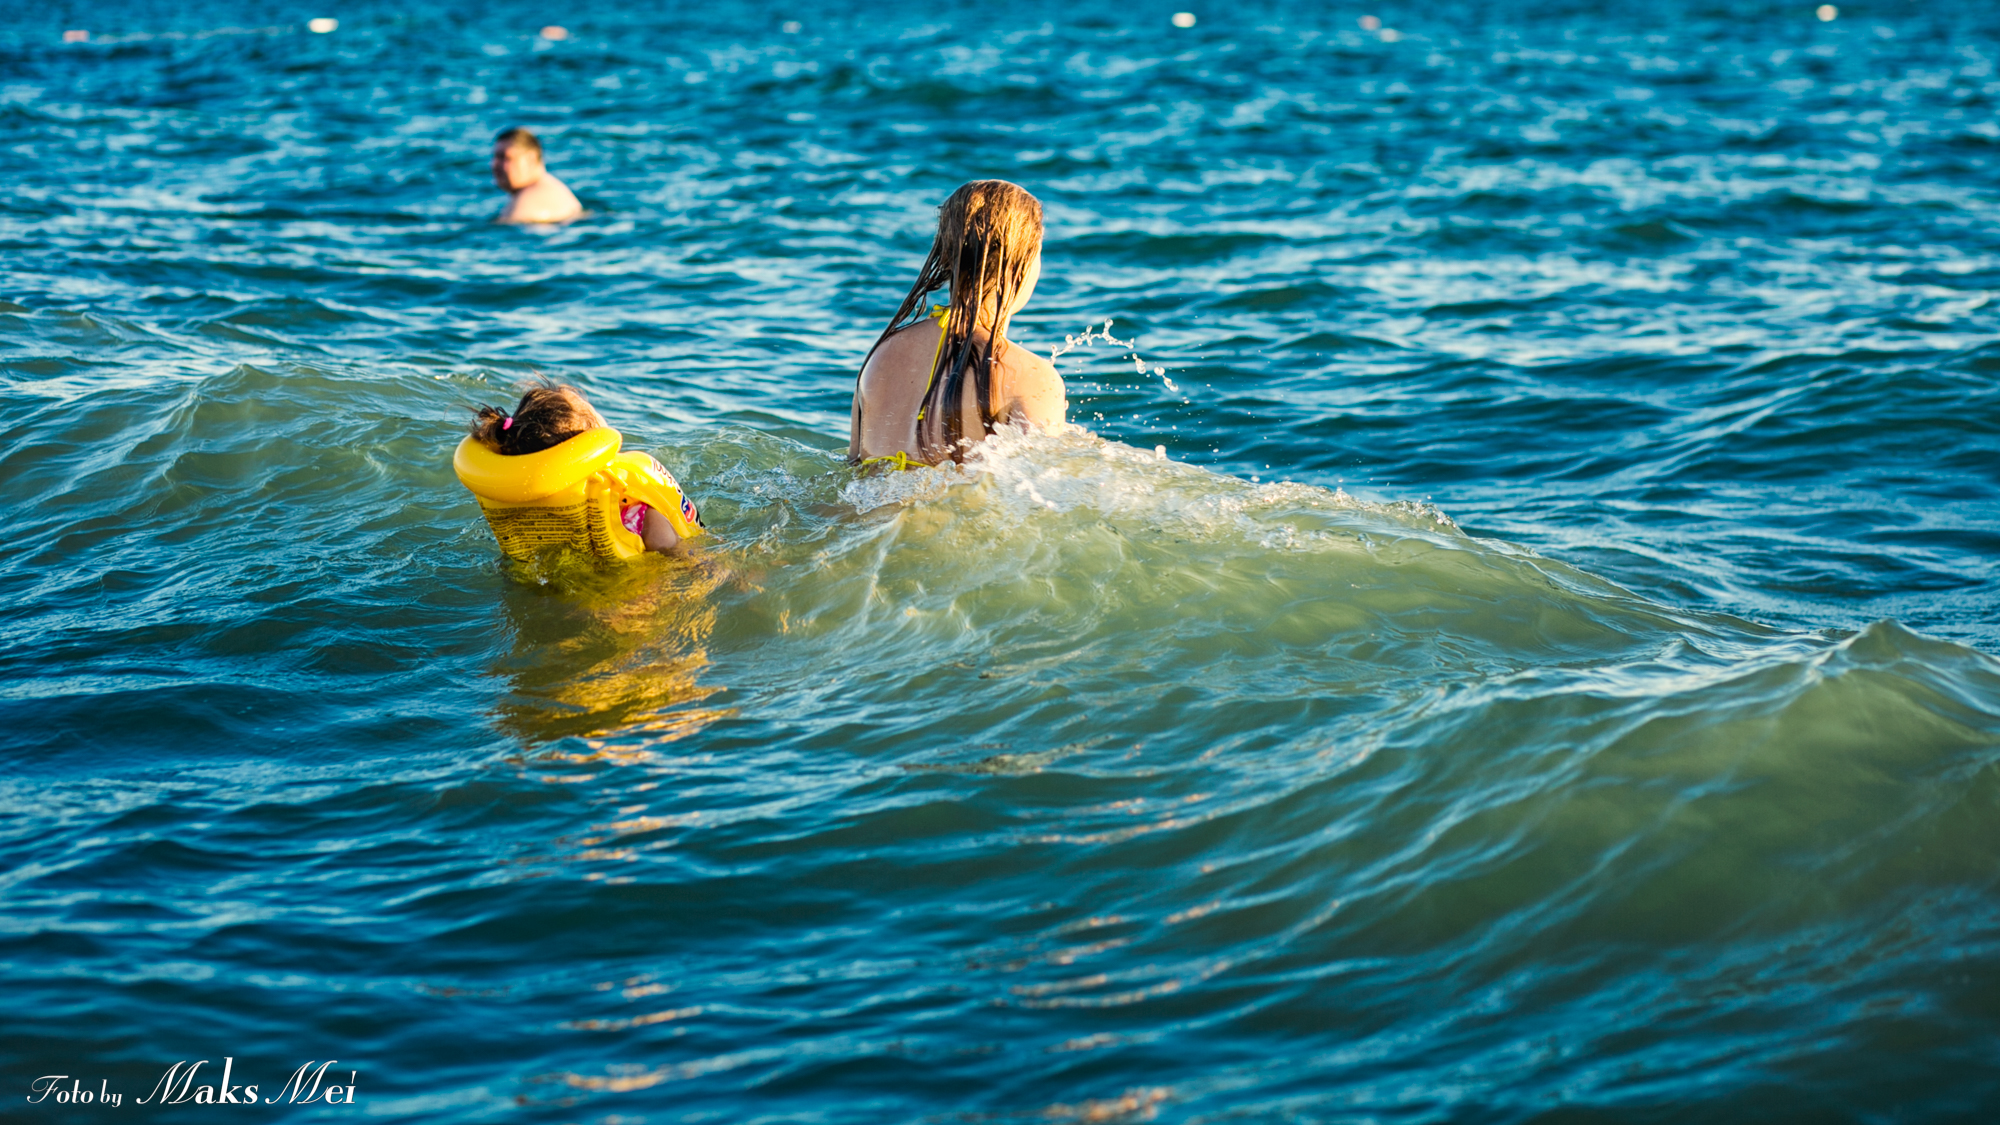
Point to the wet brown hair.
(547, 415)
(988, 234)
(517, 137)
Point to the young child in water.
(550, 414)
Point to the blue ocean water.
(1509, 641)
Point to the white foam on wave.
(879, 490)
(1027, 473)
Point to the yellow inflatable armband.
(571, 495)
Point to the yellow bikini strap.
(899, 461)
(941, 314)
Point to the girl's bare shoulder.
(1034, 388)
(1026, 364)
(909, 344)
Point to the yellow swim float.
(571, 495)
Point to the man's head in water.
(517, 159)
(539, 197)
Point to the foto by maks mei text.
(178, 1086)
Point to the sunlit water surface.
(1513, 647)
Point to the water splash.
(1102, 334)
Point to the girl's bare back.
(1026, 389)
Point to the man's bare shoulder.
(547, 200)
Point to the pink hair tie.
(507, 423)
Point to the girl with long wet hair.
(940, 379)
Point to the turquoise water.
(1514, 646)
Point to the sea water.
(1508, 639)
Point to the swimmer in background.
(938, 381)
(539, 197)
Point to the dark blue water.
(1515, 646)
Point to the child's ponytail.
(548, 415)
(489, 428)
